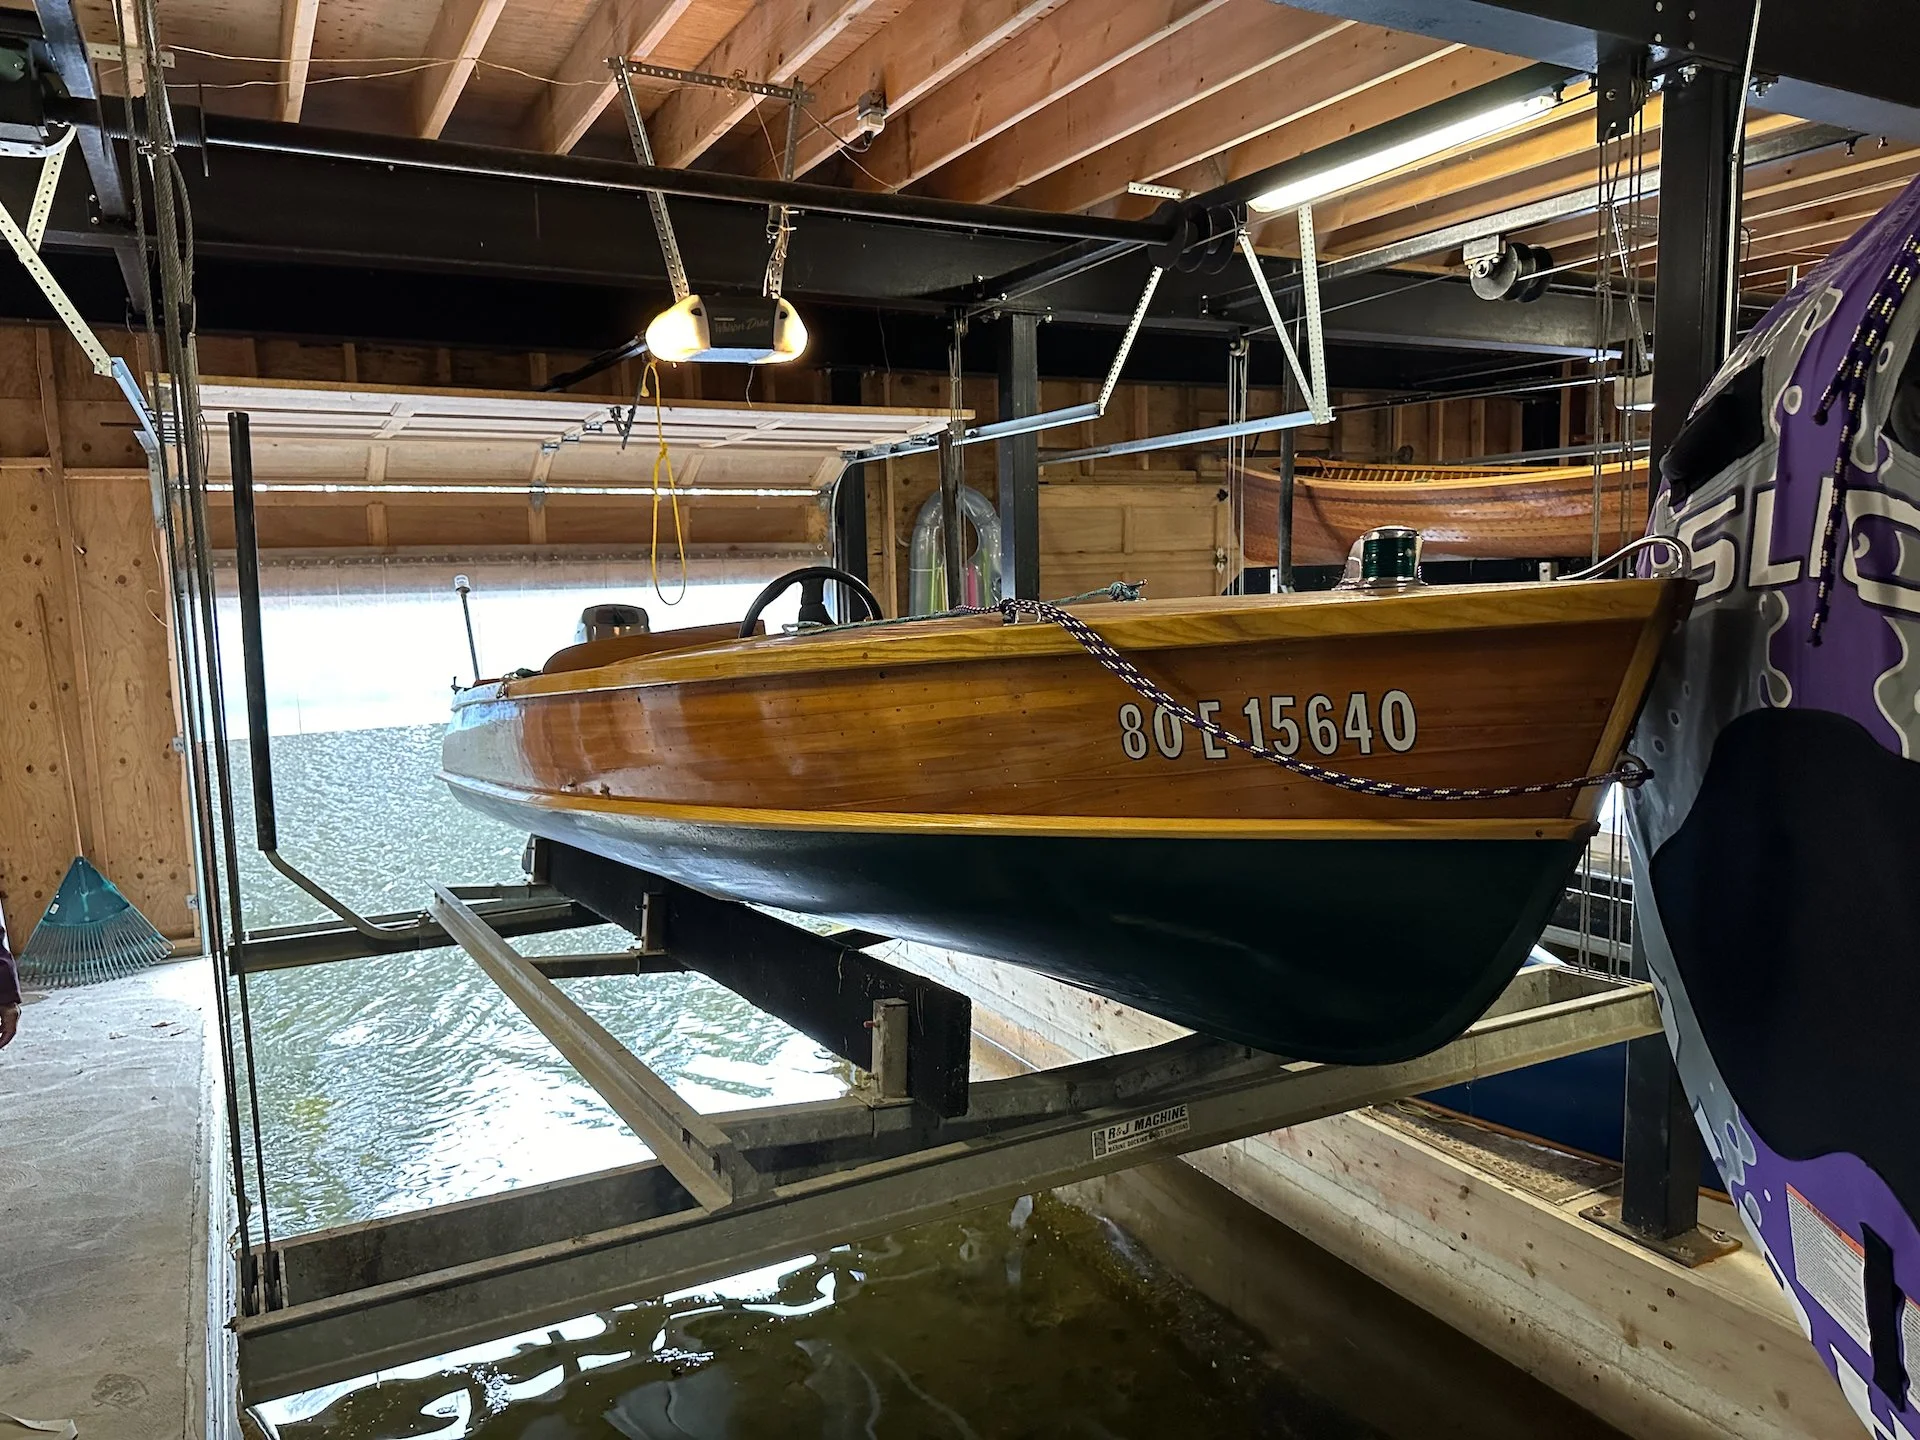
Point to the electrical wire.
(170, 243)
(663, 458)
(846, 149)
(418, 61)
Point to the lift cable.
(168, 246)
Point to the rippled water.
(391, 1083)
(1001, 1324)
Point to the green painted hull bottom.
(1355, 951)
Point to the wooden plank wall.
(86, 733)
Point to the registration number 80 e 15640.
(1280, 723)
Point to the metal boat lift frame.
(916, 1141)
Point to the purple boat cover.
(1779, 841)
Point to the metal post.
(1283, 517)
(1019, 458)
(952, 470)
(253, 655)
(950, 520)
(1659, 1195)
(1697, 137)
(1283, 539)
(1661, 1148)
(850, 495)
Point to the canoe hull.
(1461, 513)
(1359, 951)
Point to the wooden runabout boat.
(995, 788)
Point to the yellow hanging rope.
(650, 386)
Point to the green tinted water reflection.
(393, 1083)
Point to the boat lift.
(915, 1141)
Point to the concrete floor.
(108, 1132)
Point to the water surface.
(391, 1083)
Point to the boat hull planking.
(1336, 948)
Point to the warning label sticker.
(1141, 1130)
(1830, 1266)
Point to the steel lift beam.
(775, 1182)
(1843, 62)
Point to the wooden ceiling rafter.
(1774, 191)
(1338, 69)
(461, 30)
(1069, 48)
(1813, 239)
(297, 19)
(1552, 162)
(1242, 39)
(928, 44)
(583, 85)
(1445, 76)
(775, 43)
(1048, 104)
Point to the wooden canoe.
(1462, 513)
(992, 788)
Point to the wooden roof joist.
(1048, 61)
(1239, 39)
(1402, 93)
(774, 43)
(461, 30)
(928, 44)
(1839, 62)
(1339, 67)
(1024, 118)
(584, 86)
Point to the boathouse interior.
(335, 379)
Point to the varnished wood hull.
(1461, 514)
(983, 787)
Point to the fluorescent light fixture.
(1310, 188)
(738, 332)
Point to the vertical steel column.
(1697, 267)
(253, 655)
(1290, 399)
(1283, 539)
(849, 517)
(1019, 457)
(950, 522)
(1699, 210)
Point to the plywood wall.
(87, 728)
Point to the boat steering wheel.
(812, 581)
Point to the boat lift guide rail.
(784, 1180)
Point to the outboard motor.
(1778, 844)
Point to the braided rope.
(1849, 384)
(1632, 772)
